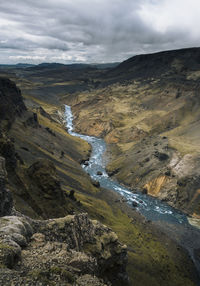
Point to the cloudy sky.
(69, 31)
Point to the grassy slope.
(47, 145)
(48, 140)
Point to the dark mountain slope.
(165, 63)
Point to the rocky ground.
(69, 251)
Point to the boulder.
(144, 191)
(161, 156)
(134, 204)
(96, 184)
(14, 234)
(91, 237)
(32, 121)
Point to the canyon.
(147, 111)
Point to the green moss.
(92, 248)
(4, 246)
(66, 275)
(41, 276)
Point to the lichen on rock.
(73, 250)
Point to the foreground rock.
(73, 250)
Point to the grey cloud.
(80, 30)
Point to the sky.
(91, 31)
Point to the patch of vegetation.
(42, 276)
(150, 262)
(65, 274)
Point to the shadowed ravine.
(170, 220)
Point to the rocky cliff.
(6, 201)
(11, 103)
(71, 250)
(34, 153)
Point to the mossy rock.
(65, 274)
(9, 254)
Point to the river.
(152, 208)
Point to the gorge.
(152, 208)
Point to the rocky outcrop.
(46, 195)
(7, 150)
(94, 238)
(32, 121)
(11, 103)
(73, 250)
(145, 166)
(35, 189)
(6, 202)
(43, 172)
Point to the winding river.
(171, 221)
(152, 208)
